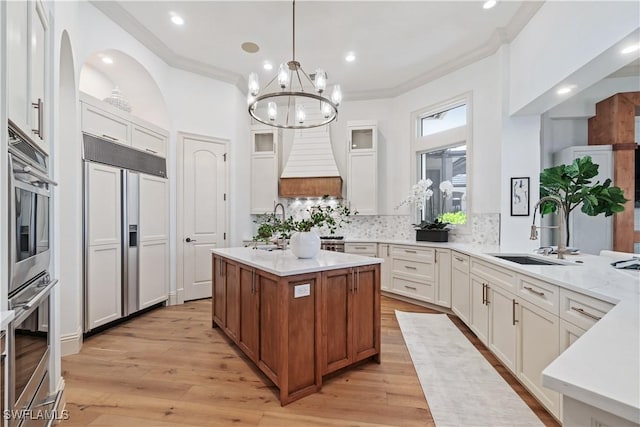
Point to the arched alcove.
(106, 69)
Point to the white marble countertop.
(5, 318)
(602, 368)
(284, 263)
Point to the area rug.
(461, 387)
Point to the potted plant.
(304, 241)
(435, 228)
(571, 184)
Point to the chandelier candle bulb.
(283, 76)
(300, 114)
(326, 110)
(254, 84)
(336, 95)
(321, 80)
(272, 110)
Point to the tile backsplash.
(485, 228)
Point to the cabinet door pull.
(151, 151)
(586, 313)
(38, 106)
(459, 259)
(358, 282)
(513, 312)
(487, 297)
(360, 247)
(408, 267)
(110, 137)
(387, 250)
(530, 289)
(409, 252)
(484, 298)
(413, 288)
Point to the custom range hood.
(311, 169)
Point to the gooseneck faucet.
(562, 249)
(284, 218)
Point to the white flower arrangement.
(420, 194)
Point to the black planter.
(432, 235)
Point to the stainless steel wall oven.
(29, 195)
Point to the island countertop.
(284, 263)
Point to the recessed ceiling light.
(176, 19)
(489, 4)
(350, 57)
(107, 60)
(564, 90)
(250, 47)
(631, 48)
(268, 66)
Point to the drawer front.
(369, 249)
(496, 275)
(420, 291)
(544, 295)
(582, 310)
(104, 125)
(417, 270)
(460, 261)
(413, 253)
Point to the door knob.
(189, 240)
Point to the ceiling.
(398, 45)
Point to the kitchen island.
(298, 319)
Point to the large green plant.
(572, 185)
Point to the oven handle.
(26, 307)
(31, 171)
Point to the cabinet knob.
(189, 240)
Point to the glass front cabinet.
(264, 169)
(362, 166)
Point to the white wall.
(561, 39)
(95, 83)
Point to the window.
(442, 148)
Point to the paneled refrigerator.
(126, 231)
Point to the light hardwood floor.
(170, 368)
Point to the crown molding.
(131, 25)
(500, 36)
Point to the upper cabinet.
(28, 65)
(264, 169)
(362, 166)
(105, 121)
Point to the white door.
(204, 183)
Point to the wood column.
(614, 124)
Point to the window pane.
(444, 120)
(448, 164)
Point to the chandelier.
(293, 99)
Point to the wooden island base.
(299, 328)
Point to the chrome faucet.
(562, 249)
(284, 218)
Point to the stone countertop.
(602, 368)
(5, 318)
(284, 263)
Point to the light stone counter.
(602, 368)
(284, 263)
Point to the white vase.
(305, 244)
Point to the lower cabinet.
(226, 296)
(249, 336)
(479, 308)
(502, 326)
(385, 267)
(460, 286)
(569, 333)
(351, 329)
(538, 345)
(443, 278)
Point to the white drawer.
(460, 261)
(369, 249)
(544, 295)
(582, 310)
(149, 141)
(421, 291)
(413, 253)
(496, 275)
(415, 269)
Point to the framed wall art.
(520, 196)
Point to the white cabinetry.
(104, 258)
(443, 277)
(413, 272)
(366, 249)
(362, 166)
(502, 326)
(105, 121)
(479, 308)
(385, 268)
(460, 286)
(27, 68)
(153, 245)
(264, 169)
(590, 234)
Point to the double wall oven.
(29, 338)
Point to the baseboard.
(176, 297)
(71, 343)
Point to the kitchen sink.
(528, 260)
